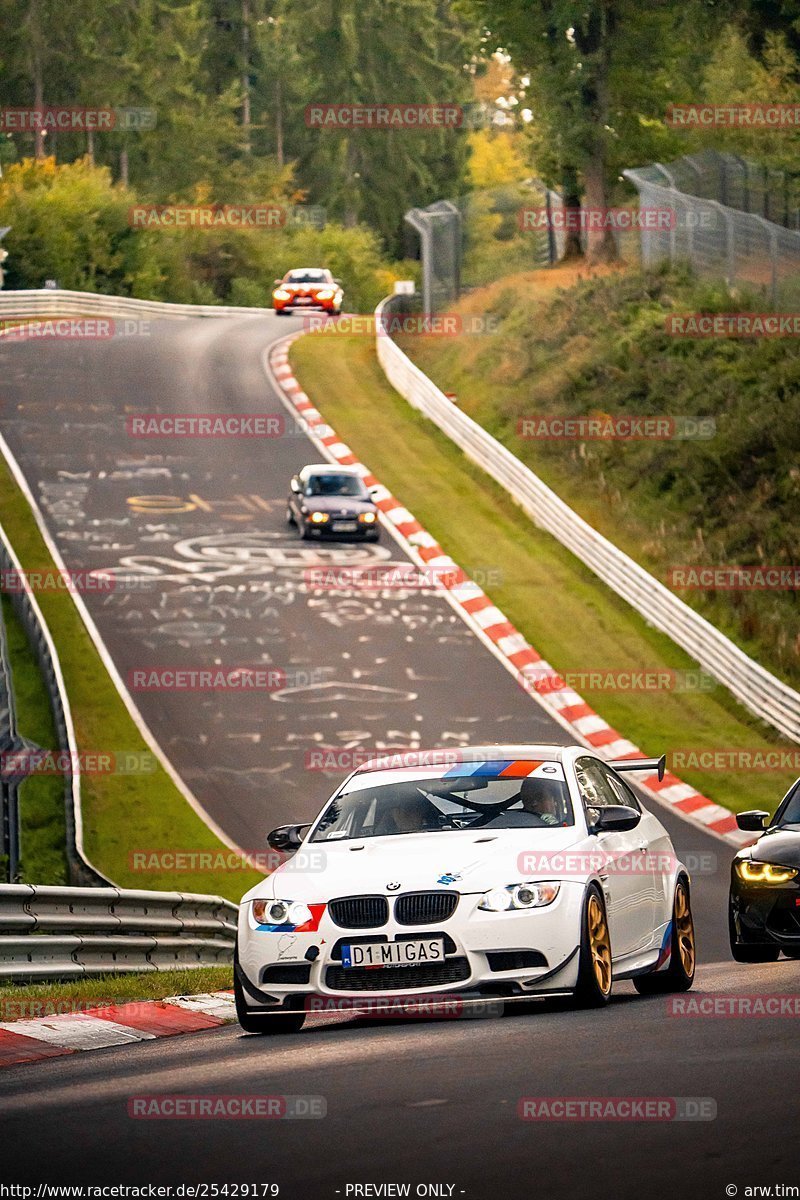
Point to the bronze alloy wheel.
(684, 928)
(600, 944)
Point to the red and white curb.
(536, 676)
(29, 1040)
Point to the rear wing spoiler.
(657, 765)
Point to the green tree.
(373, 51)
(602, 73)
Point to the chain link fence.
(480, 237)
(734, 221)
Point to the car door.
(626, 880)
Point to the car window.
(307, 277)
(593, 783)
(436, 805)
(335, 485)
(789, 813)
(621, 790)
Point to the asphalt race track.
(419, 1102)
(207, 572)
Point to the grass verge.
(567, 614)
(571, 342)
(41, 797)
(22, 1001)
(122, 814)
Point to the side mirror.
(277, 282)
(286, 837)
(615, 818)
(338, 282)
(373, 491)
(753, 821)
(294, 484)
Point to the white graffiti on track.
(235, 554)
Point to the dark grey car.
(332, 502)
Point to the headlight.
(519, 895)
(319, 518)
(368, 518)
(327, 294)
(756, 872)
(281, 912)
(282, 294)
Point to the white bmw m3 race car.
(499, 871)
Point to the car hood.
(779, 846)
(465, 861)
(350, 505)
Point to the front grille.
(396, 979)
(424, 908)
(359, 912)
(286, 973)
(514, 960)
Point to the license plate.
(393, 954)
(345, 526)
(303, 300)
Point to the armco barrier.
(55, 302)
(757, 689)
(70, 933)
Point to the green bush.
(71, 223)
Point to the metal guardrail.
(9, 741)
(55, 302)
(25, 605)
(60, 303)
(755, 687)
(51, 933)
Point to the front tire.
(679, 975)
(593, 989)
(282, 1020)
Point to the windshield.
(307, 277)
(436, 805)
(335, 485)
(791, 813)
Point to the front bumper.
(511, 953)
(765, 913)
(324, 306)
(364, 533)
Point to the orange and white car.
(308, 288)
